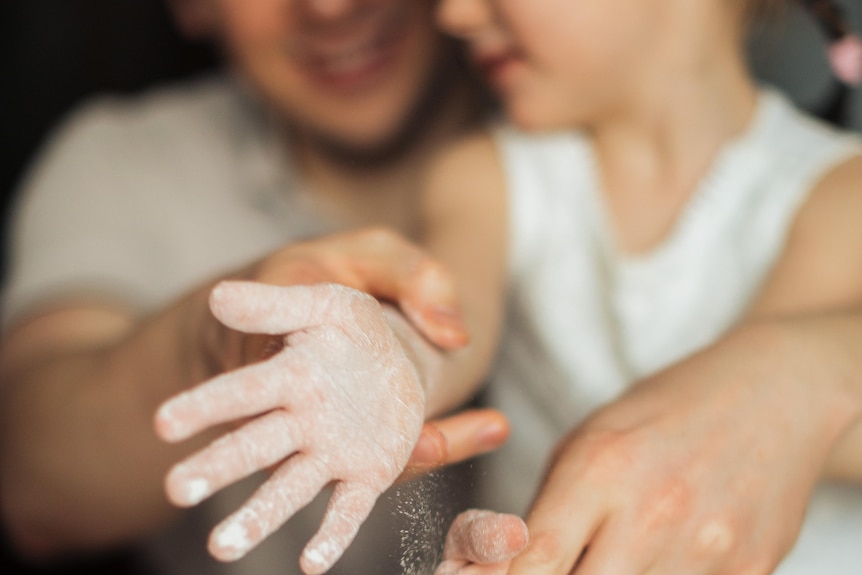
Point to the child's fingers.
(248, 391)
(453, 567)
(485, 537)
(252, 307)
(347, 510)
(293, 486)
(234, 456)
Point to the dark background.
(53, 55)
(56, 53)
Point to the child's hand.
(482, 543)
(340, 403)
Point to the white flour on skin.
(340, 403)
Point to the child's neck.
(653, 152)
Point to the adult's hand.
(706, 468)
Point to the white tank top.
(585, 320)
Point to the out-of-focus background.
(53, 55)
(788, 52)
(56, 53)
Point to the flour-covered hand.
(340, 404)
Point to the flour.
(234, 538)
(197, 490)
(425, 522)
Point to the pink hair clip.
(845, 48)
(845, 56)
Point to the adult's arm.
(340, 401)
(708, 466)
(80, 465)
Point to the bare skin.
(82, 378)
(84, 365)
(662, 463)
(706, 467)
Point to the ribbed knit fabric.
(585, 320)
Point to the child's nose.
(463, 18)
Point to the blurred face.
(556, 63)
(346, 72)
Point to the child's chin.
(535, 119)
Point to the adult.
(323, 122)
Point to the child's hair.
(831, 18)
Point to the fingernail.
(492, 435)
(427, 450)
(449, 317)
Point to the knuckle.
(672, 501)
(544, 548)
(606, 454)
(340, 300)
(427, 267)
(381, 236)
(716, 536)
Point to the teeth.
(351, 62)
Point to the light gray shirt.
(140, 200)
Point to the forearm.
(449, 378)
(839, 342)
(81, 466)
(822, 353)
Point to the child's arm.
(344, 399)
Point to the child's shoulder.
(820, 267)
(465, 172)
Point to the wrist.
(811, 358)
(426, 358)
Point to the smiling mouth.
(344, 61)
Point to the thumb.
(485, 537)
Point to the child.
(681, 255)
(688, 216)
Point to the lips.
(498, 66)
(349, 64)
